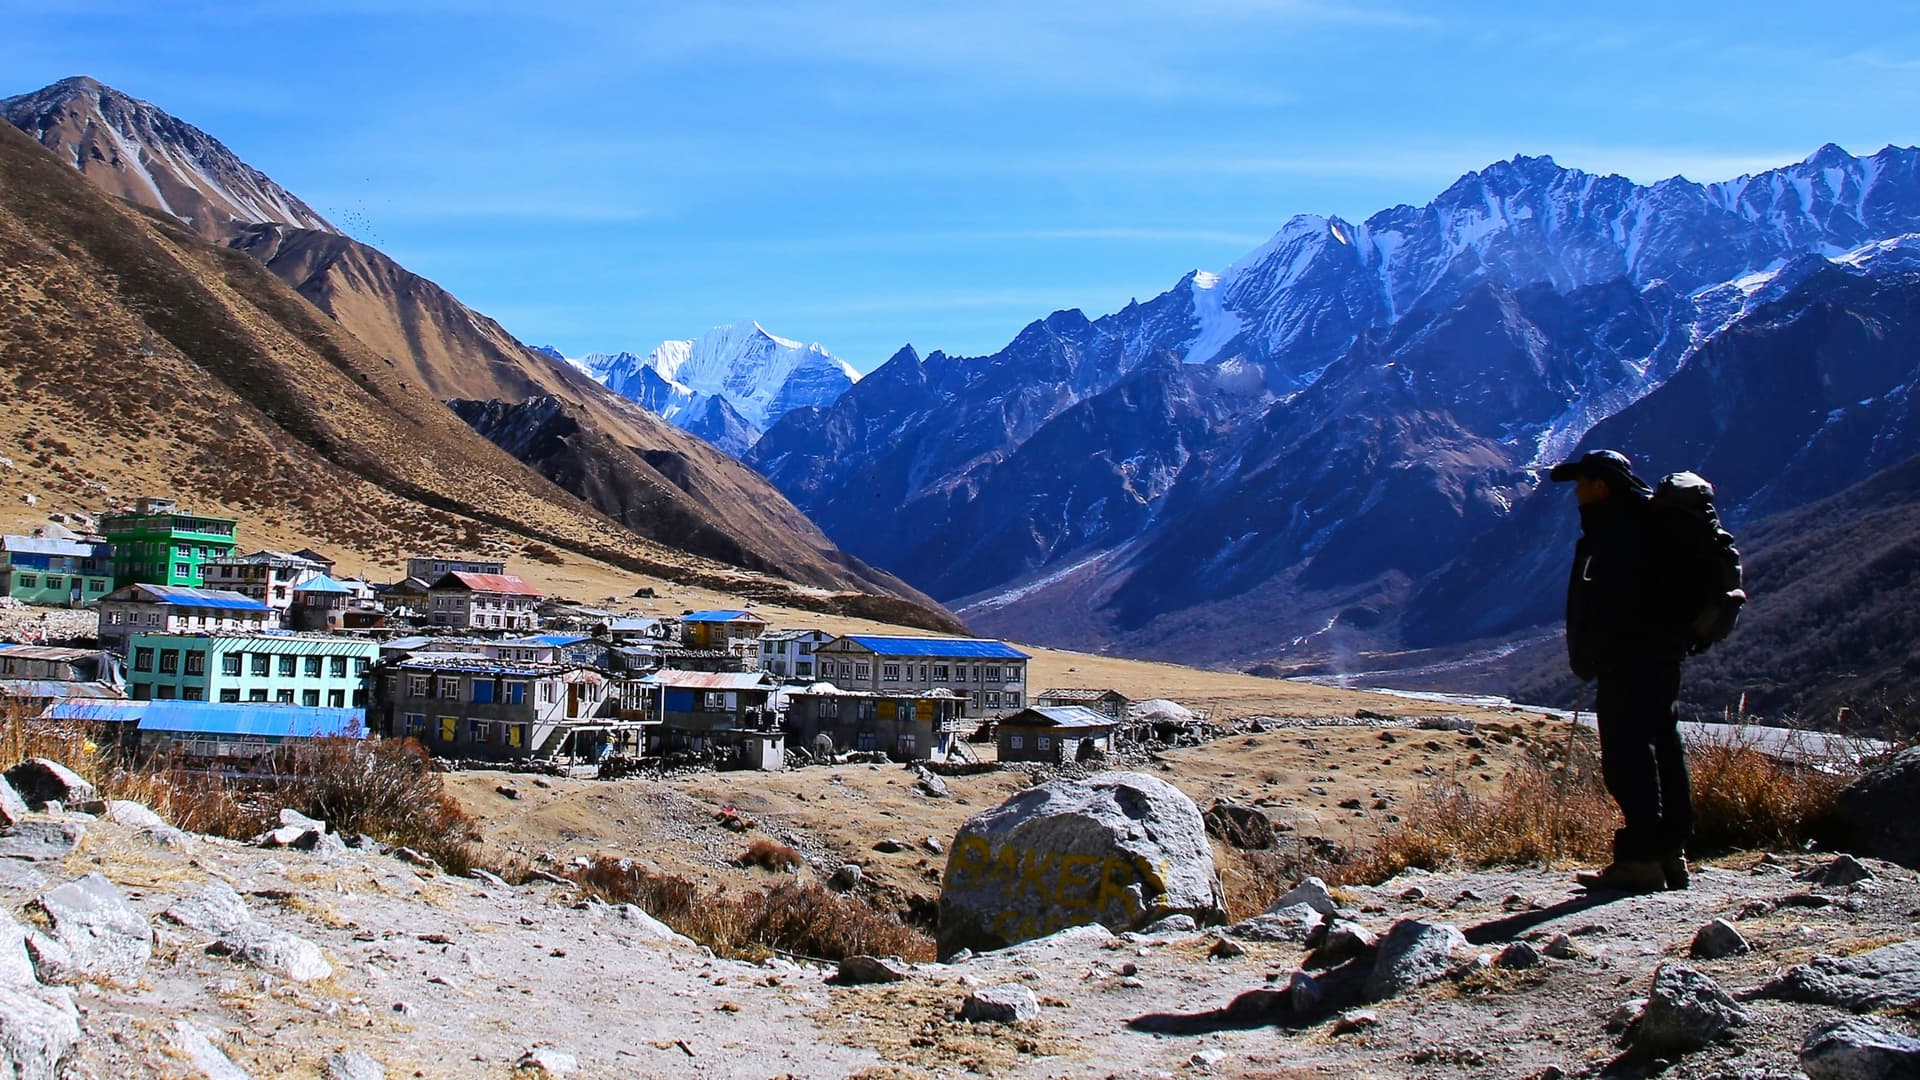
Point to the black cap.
(1610, 465)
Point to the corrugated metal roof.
(968, 648)
(264, 719)
(58, 688)
(47, 652)
(493, 583)
(323, 584)
(1066, 716)
(470, 664)
(551, 641)
(1075, 694)
(97, 711)
(622, 625)
(708, 680)
(182, 596)
(720, 616)
(44, 545)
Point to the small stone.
(1226, 949)
(546, 1061)
(1172, 924)
(865, 970)
(52, 963)
(1845, 870)
(507, 791)
(933, 844)
(133, 815)
(1312, 892)
(1356, 1020)
(1561, 947)
(1687, 1011)
(1883, 978)
(1340, 941)
(1626, 1014)
(1858, 1049)
(209, 1061)
(931, 785)
(1717, 940)
(1293, 923)
(41, 841)
(284, 836)
(1413, 894)
(848, 876)
(889, 846)
(353, 1065)
(102, 933)
(13, 808)
(1304, 995)
(300, 820)
(1207, 1060)
(1518, 956)
(488, 877)
(1003, 1003)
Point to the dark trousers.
(1643, 759)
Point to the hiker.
(1623, 633)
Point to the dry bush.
(793, 917)
(1744, 799)
(1254, 879)
(771, 855)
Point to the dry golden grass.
(792, 917)
(771, 855)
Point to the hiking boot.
(1674, 868)
(1626, 875)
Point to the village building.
(549, 649)
(824, 719)
(630, 629)
(157, 544)
(268, 576)
(729, 714)
(177, 609)
(199, 736)
(322, 604)
(1055, 735)
(54, 571)
(735, 632)
(472, 601)
(314, 670)
(788, 654)
(429, 568)
(989, 676)
(460, 705)
(1109, 703)
(34, 676)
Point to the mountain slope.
(705, 503)
(133, 150)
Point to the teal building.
(53, 573)
(314, 670)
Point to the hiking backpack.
(1707, 560)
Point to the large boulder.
(1875, 815)
(1884, 978)
(1121, 849)
(102, 933)
(1687, 1011)
(43, 780)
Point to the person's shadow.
(1341, 987)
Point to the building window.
(863, 740)
(29, 581)
(257, 663)
(1016, 741)
(359, 665)
(165, 691)
(284, 697)
(289, 664)
(96, 585)
(196, 662)
(257, 695)
(959, 673)
(169, 661)
(862, 671)
(416, 723)
(113, 618)
(230, 663)
(803, 669)
(232, 696)
(418, 686)
(479, 731)
(906, 742)
(56, 582)
(515, 693)
(449, 688)
(182, 570)
(1013, 699)
(313, 667)
(337, 667)
(482, 691)
(193, 693)
(889, 672)
(143, 659)
(993, 699)
(1046, 743)
(1015, 674)
(992, 674)
(183, 550)
(546, 693)
(336, 699)
(448, 725)
(516, 735)
(310, 698)
(142, 691)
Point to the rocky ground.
(194, 956)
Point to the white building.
(467, 601)
(177, 609)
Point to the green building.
(156, 544)
(292, 669)
(53, 572)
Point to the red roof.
(493, 583)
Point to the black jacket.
(1622, 599)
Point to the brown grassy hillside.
(135, 358)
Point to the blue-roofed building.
(179, 609)
(989, 676)
(734, 632)
(54, 571)
(315, 670)
(235, 738)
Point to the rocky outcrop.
(1875, 811)
(1120, 849)
(101, 933)
(1884, 978)
(1850, 1049)
(1686, 1011)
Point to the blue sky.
(601, 176)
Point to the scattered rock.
(1875, 811)
(889, 846)
(1626, 1014)
(488, 877)
(52, 962)
(1412, 954)
(133, 815)
(862, 970)
(1226, 949)
(353, 1065)
(1243, 827)
(1340, 940)
(933, 844)
(208, 1060)
(13, 808)
(1845, 870)
(546, 1061)
(647, 926)
(1853, 1049)
(1413, 894)
(930, 784)
(508, 791)
(848, 876)
(1462, 724)
(1207, 1060)
(34, 1035)
(1122, 849)
(1885, 978)
(1356, 1020)
(1295, 923)
(1519, 956)
(1311, 892)
(42, 780)
(103, 935)
(1304, 996)
(1004, 1003)
(1686, 1011)
(1172, 924)
(1717, 940)
(41, 841)
(1561, 947)
(220, 912)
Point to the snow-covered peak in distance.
(760, 375)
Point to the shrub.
(771, 855)
(793, 917)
